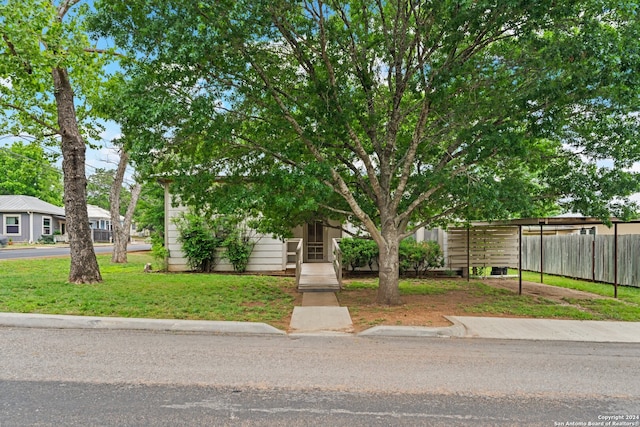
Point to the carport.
(490, 244)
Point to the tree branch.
(65, 6)
(33, 117)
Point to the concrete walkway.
(320, 313)
(318, 277)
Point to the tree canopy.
(391, 115)
(29, 170)
(49, 73)
(99, 187)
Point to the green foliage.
(38, 36)
(239, 247)
(158, 251)
(488, 122)
(30, 171)
(199, 240)
(390, 114)
(99, 186)
(47, 240)
(420, 256)
(149, 213)
(357, 252)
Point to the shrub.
(47, 240)
(420, 256)
(239, 245)
(199, 241)
(358, 252)
(158, 250)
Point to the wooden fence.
(487, 247)
(585, 257)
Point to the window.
(46, 226)
(12, 224)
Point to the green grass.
(497, 301)
(410, 286)
(504, 302)
(40, 286)
(625, 293)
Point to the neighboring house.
(571, 223)
(100, 224)
(27, 218)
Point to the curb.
(457, 330)
(59, 321)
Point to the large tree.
(391, 114)
(49, 71)
(106, 188)
(121, 229)
(29, 170)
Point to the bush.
(419, 256)
(158, 251)
(47, 240)
(201, 238)
(358, 252)
(239, 245)
(199, 242)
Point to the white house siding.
(266, 256)
(268, 253)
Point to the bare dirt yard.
(462, 299)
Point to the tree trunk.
(120, 231)
(84, 265)
(388, 263)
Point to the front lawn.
(39, 286)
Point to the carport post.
(541, 256)
(615, 260)
(519, 259)
(468, 253)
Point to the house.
(27, 218)
(100, 224)
(269, 254)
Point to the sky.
(103, 156)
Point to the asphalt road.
(41, 252)
(91, 377)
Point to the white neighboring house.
(100, 224)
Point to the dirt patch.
(429, 310)
(540, 290)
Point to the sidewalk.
(463, 327)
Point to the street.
(41, 252)
(90, 377)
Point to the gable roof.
(19, 204)
(96, 212)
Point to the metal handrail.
(337, 259)
(299, 261)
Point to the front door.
(315, 242)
